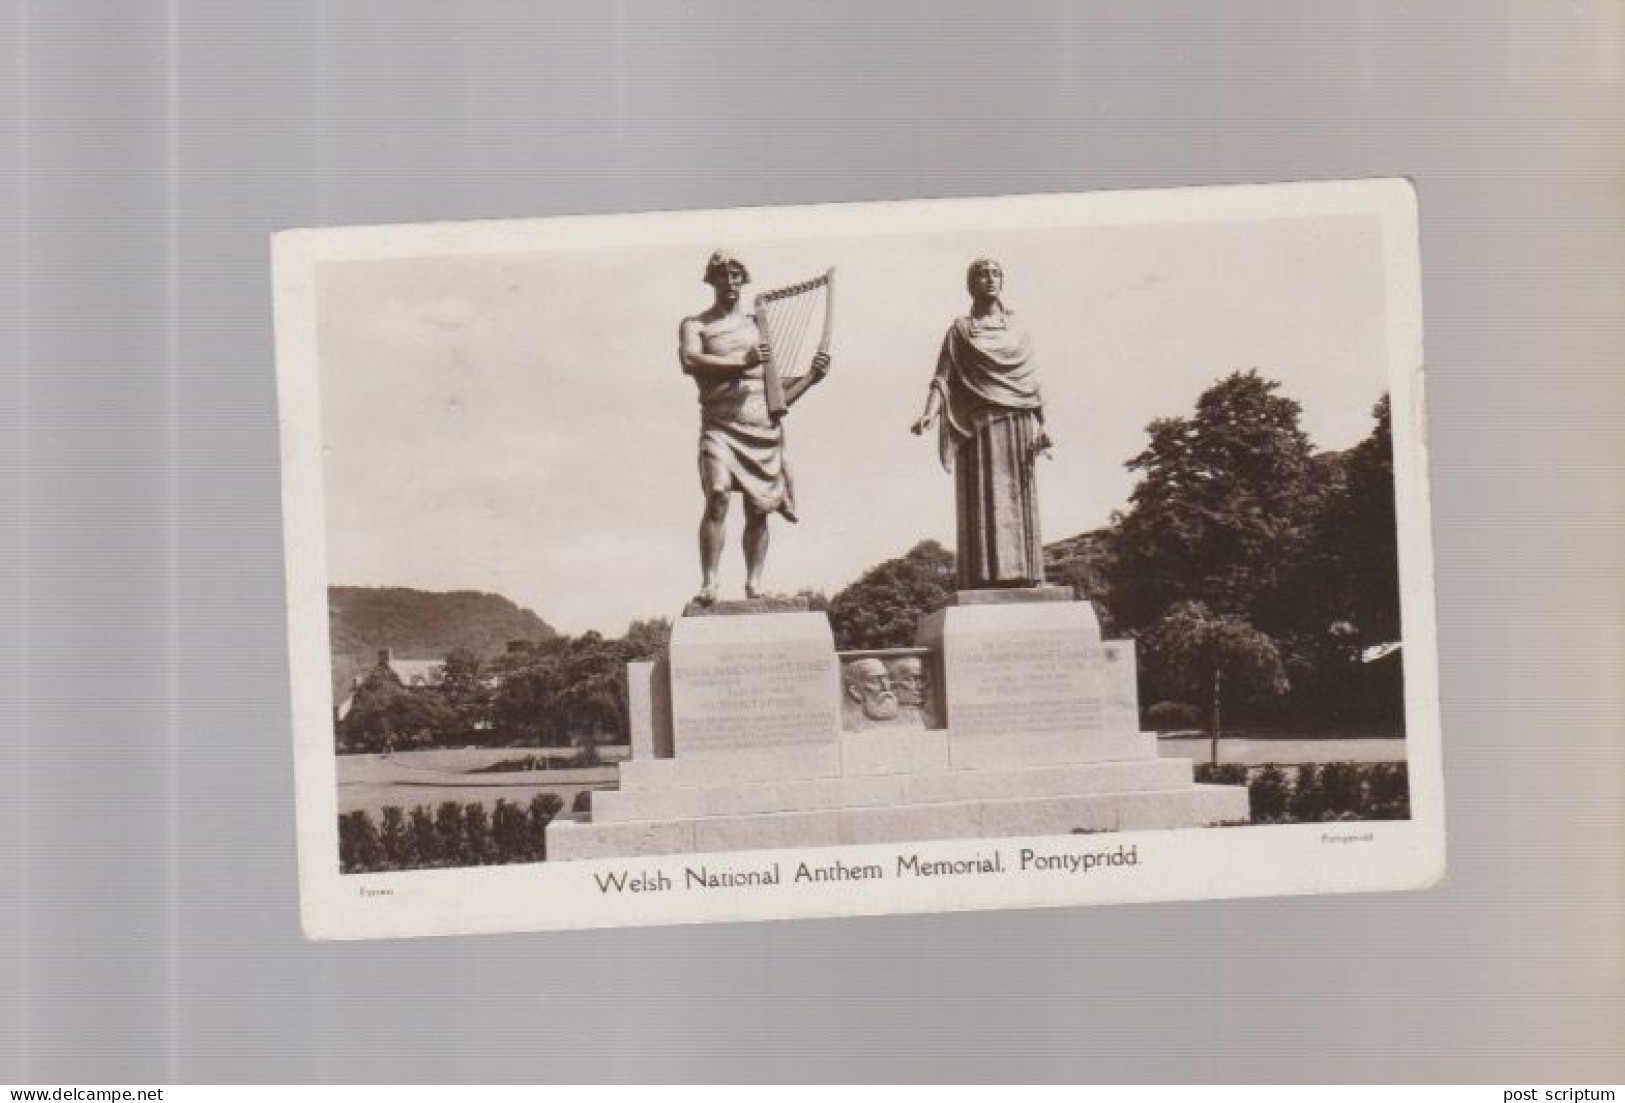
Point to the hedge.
(452, 835)
(1314, 793)
(466, 835)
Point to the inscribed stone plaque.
(741, 684)
(1033, 669)
(1032, 684)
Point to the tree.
(360, 849)
(564, 690)
(1342, 595)
(1216, 657)
(1357, 540)
(425, 838)
(386, 715)
(646, 639)
(528, 682)
(1224, 507)
(364, 727)
(592, 699)
(448, 830)
(817, 601)
(464, 689)
(478, 846)
(508, 833)
(883, 607)
(420, 718)
(396, 839)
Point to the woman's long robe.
(990, 425)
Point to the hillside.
(418, 624)
(1078, 560)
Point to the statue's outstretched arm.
(933, 410)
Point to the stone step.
(1187, 806)
(886, 752)
(818, 794)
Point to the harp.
(795, 323)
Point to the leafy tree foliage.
(360, 848)
(425, 837)
(478, 849)
(882, 608)
(527, 683)
(817, 600)
(1357, 543)
(463, 685)
(1225, 506)
(592, 702)
(385, 715)
(1236, 511)
(1214, 657)
(1270, 794)
(397, 841)
(508, 828)
(647, 639)
(1343, 594)
(448, 829)
(565, 690)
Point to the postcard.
(858, 559)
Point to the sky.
(517, 423)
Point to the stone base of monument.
(737, 740)
(887, 808)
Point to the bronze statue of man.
(741, 445)
(986, 395)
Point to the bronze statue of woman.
(986, 395)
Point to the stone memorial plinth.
(738, 741)
(1028, 680)
(755, 694)
(648, 699)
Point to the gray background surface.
(147, 880)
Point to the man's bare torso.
(723, 334)
(738, 397)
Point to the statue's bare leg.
(713, 532)
(755, 549)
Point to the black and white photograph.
(889, 557)
(739, 542)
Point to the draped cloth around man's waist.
(741, 447)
